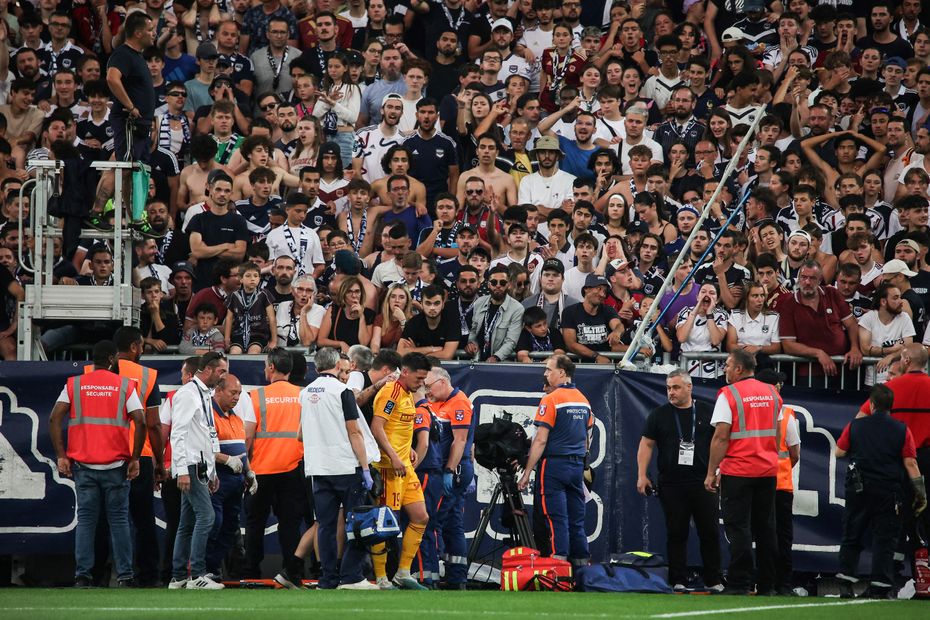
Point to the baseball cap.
(897, 266)
(771, 376)
(503, 22)
(221, 80)
(554, 264)
(467, 228)
(517, 226)
(223, 61)
(637, 227)
(732, 34)
(594, 280)
(895, 61)
(185, 266)
(909, 243)
(753, 6)
(390, 96)
(207, 51)
(547, 143)
(617, 264)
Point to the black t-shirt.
(215, 230)
(6, 279)
(920, 284)
(898, 47)
(137, 81)
(528, 342)
(590, 331)
(735, 275)
(661, 428)
(448, 329)
(345, 329)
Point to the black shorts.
(259, 340)
(141, 141)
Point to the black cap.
(594, 280)
(221, 80)
(637, 227)
(518, 226)
(180, 266)
(554, 264)
(467, 228)
(346, 262)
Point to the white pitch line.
(733, 610)
(309, 607)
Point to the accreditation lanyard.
(686, 448)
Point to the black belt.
(566, 457)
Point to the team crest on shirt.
(765, 329)
(459, 415)
(66, 63)
(109, 131)
(389, 407)
(418, 418)
(440, 153)
(513, 69)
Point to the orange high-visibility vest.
(277, 421)
(98, 429)
(146, 380)
(785, 481)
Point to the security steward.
(563, 432)
(129, 344)
(881, 452)
(912, 406)
(100, 407)
(338, 449)
(789, 453)
(681, 432)
(232, 469)
(275, 458)
(454, 413)
(429, 471)
(745, 448)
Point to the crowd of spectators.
(496, 177)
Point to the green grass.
(69, 604)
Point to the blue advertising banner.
(37, 506)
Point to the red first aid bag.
(523, 569)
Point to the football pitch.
(69, 604)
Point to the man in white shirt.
(549, 187)
(147, 254)
(194, 442)
(338, 448)
(884, 331)
(296, 240)
(635, 125)
(372, 143)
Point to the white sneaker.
(285, 580)
(364, 584)
(204, 583)
(717, 589)
(385, 584)
(178, 584)
(679, 587)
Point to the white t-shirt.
(162, 272)
(758, 332)
(699, 340)
(546, 191)
(302, 244)
(659, 88)
(900, 327)
(386, 274)
(625, 147)
(574, 281)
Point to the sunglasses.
(269, 107)
(177, 93)
(497, 282)
(474, 191)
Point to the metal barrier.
(795, 363)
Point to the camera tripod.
(513, 513)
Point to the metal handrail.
(794, 360)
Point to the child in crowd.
(536, 336)
(205, 336)
(250, 325)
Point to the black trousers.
(286, 495)
(784, 534)
(171, 502)
(874, 510)
(681, 503)
(748, 508)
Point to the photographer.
(880, 449)
(682, 432)
(563, 426)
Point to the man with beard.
(809, 326)
(848, 279)
(500, 188)
(908, 250)
(287, 121)
(283, 269)
(550, 186)
(496, 321)
(466, 240)
(315, 59)
(376, 94)
(273, 62)
(372, 143)
(445, 65)
(885, 331)
(900, 156)
(501, 39)
(681, 125)
(147, 265)
(217, 233)
(799, 243)
(441, 15)
(157, 217)
(464, 296)
(476, 211)
(27, 67)
(881, 37)
(435, 163)
(551, 298)
(435, 331)
(577, 152)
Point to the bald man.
(232, 468)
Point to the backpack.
(523, 569)
(638, 571)
(370, 525)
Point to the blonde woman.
(396, 310)
(309, 139)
